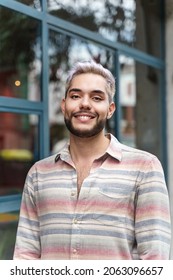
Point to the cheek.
(68, 110)
(103, 112)
(65, 107)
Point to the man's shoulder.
(47, 160)
(133, 152)
(44, 164)
(136, 152)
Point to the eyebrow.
(93, 91)
(74, 89)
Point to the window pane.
(32, 3)
(148, 23)
(20, 56)
(127, 98)
(18, 151)
(63, 52)
(140, 106)
(148, 109)
(128, 21)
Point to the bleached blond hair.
(95, 68)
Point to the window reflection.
(20, 56)
(32, 3)
(115, 20)
(128, 100)
(64, 51)
(140, 123)
(18, 151)
(148, 109)
(130, 22)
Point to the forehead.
(89, 80)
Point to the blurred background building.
(39, 41)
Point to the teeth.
(84, 117)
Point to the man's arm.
(28, 239)
(152, 220)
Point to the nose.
(85, 103)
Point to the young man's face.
(86, 106)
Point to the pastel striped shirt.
(122, 212)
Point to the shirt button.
(73, 193)
(74, 251)
(75, 221)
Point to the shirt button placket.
(75, 238)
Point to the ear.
(63, 105)
(112, 108)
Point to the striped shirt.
(122, 211)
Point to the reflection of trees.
(18, 37)
(112, 18)
(59, 48)
(19, 33)
(33, 3)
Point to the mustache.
(84, 112)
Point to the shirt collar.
(114, 150)
(63, 153)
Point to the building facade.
(39, 41)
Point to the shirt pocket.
(116, 206)
(116, 191)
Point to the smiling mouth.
(84, 116)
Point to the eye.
(97, 98)
(74, 96)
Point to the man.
(97, 198)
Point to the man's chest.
(82, 173)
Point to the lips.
(84, 115)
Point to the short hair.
(95, 68)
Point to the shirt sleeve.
(28, 238)
(152, 218)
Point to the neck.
(88, 149)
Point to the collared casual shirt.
(121, 213)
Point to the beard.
(99, 126)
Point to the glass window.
(32, 3)
(18, 151)
(127, 21)
(148, 23)
(20, 56)
(63, 52)
(148, 109)
(127, 97)
(140, 106)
